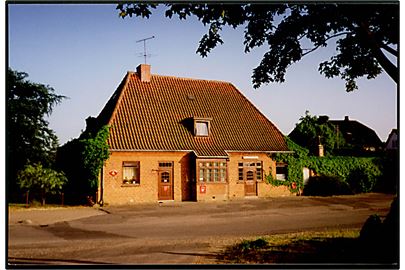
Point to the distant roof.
(157, 115)
(357, 133)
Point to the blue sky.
(84, 51)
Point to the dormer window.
(201, 127)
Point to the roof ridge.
(182, 78)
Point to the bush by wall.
(326, 186)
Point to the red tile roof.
(156, 115)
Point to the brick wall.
(236, 189)
(117, 193)
(213, 192)
(184, 185)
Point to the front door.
(250, 182)
(165, 184)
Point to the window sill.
(130, 185)
(257, 181)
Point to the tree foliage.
(312, 131)
(29, 139)
(82, 160)
(37, 179)
(363, 34)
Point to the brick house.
(185, 140)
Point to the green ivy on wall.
(361, 173)
(81, 160)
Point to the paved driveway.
(180, 233)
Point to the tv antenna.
(144, 45)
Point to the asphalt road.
(174, 233)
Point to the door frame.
(170, 170)
(252, 183)
(255, 166)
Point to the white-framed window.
(202, 126)
(212, 171)
(131, 173)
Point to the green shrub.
(326, 186)
(381, 239)
(371, 229)
(361, 181)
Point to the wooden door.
(250, 182)
(165, 185)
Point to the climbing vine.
(361, 173)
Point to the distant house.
(185, 140)
(360, 137)
(392, 141)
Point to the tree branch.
(328, 38)
(385, 63)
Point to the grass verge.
(329, 247)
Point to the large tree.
(363, 34)
(29, 139)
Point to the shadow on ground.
(312, 251)
(48, 261)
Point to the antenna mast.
(144, 45)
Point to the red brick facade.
(186, 186)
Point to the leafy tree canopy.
(29, 139)
(312, 131)
(363, 34)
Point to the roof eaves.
(212, 156)
(148, 150)
(269, 151)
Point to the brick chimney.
(143, 71)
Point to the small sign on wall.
(203, 189)
(113, 173)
